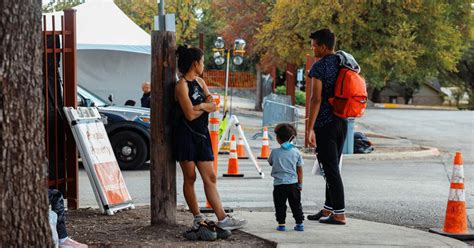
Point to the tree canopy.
(402, 41)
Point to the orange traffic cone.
(241, 149)
(455, 222)
(265, 150)
(233, 164)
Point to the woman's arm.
(209, 105)
(181, 92)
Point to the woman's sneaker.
(231, 223)
(205, 231)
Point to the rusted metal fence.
(59, 71)
(237, 79)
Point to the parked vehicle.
(128, 128)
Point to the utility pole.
(163, 79)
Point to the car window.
(85, 94)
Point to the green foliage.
(187, 12)
(60, 5)
(463, 78)
(280, 90)
(401, 41)
(300, 96)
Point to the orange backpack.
(350, 94)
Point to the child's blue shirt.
(284, 163)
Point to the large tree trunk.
(23, 191)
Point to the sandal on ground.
(316, 216)
(330, 220)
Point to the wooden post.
(291, 82)
(70, 100)
(163, 166)
(273, 73)
(201, 41)
(308, 88)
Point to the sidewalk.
(357, 233)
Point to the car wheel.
(130, 149)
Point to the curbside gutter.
(426, 152)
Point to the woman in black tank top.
(192, 144)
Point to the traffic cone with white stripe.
(233, 164)
(241, 149)
(455, 222)
(265, 150)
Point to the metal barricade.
(277, 109)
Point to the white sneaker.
(71, 243)
(231, 223)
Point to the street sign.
(98, 159)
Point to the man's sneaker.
(205, 232)
(281, 228)
(221, 233)
(231, 223)
(299, 227)
(71, 243)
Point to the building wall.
(427, 96)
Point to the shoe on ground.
(316, 216)
(299, 227)
(331, 220)
(281, 228)
(205, 231)
(231, 223)
(71, 243)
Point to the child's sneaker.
(205, 231)
(281, 228)
(299, 227)
(231, 223)
(70, 243)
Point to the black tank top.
(197, 96)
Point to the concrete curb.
(404, 106)
(426, 152)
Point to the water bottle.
(53, 220)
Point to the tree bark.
(163, 166)
(23, 192)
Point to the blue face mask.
(288, 144)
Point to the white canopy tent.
(113, 53)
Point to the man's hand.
(312, 138)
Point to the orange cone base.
(463, 236)
(210, 210)
(233, 175)
(262, 157)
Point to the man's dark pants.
(57, 205)
(291, 192)
(330, 142)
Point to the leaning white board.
(99, 160)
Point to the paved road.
(450, 131)
(409, 192)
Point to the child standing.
(287, 173)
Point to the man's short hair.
(284, 131)
(324, 37)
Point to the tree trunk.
(23, 192)
(259, 98)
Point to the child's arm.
(270, 159)
(299, 171)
